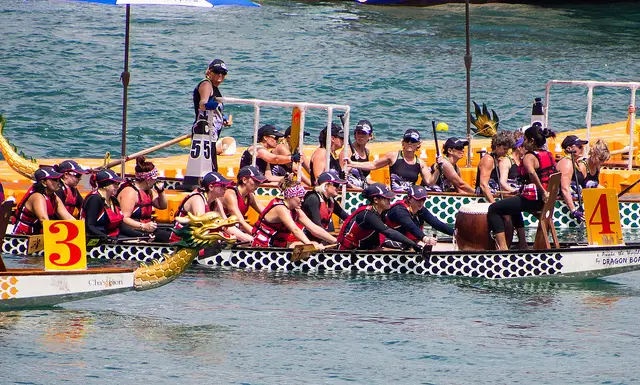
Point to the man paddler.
(209, 113)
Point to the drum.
(472, 228)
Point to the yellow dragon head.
(17, 161)
(486, 125)
(198, 232)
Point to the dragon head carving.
(486, 124)
(198, 232)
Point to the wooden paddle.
(294, 138)
(5, 215)
(575, 176)
(426, 253)
(301, 252)
(149, 150)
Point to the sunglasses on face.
(458, 148)
(412, 141)
(579, 146)
(220, 73)
(336, 185)
(75, 174)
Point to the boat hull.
(577, 263)
(22, 288)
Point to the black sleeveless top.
(591, 181)
(494, 180)
(246, 159)
(402, 174)
(445, 184)
(334, 164)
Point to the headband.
(294, 191)
(147, 175)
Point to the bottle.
(537, 112)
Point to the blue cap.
(46, 173)
(252, 172)
(330, 176)
(72, 166)
(365, 127)
(108, 175)
(218, 66)
(411, 135)
(417, 192)
(378, 190)
(214, 177)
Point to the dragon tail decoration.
(486, 124)
(17, 161)
(196, 234)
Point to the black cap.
(108, 175)
(411, 135)
(571, 140)
(365, 127)
(336, 131)
(46, 173)
(72, 166)
(287, 132)
(269, 130)
(214, 177)
(330, 176)
(455, 143)
(218, 66)
(378, 190)
(417, 192)
(253, 172)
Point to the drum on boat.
(472, 228)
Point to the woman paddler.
(268, 136)
(282, 222)
(284, 148)
(572, 168)
(363, 228)
(138, 198)
(70, 196)
(204, 199)
(320, 204)
(409, 215)
(238, 199)
(535, 169)
(40, 203)
(318, 160)
(489, 172)
(598, 154)
(509, 164)
(362, 134)
(404, 166)
(446, 173)
(101, 210)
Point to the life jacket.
(396, 226)
(271, 234)
(181, 212)
(71, 198)
(351, 235)
(528, 190)
(243, 205)
(143, 208)
(325, 209)
(27, 223)
(109, 219)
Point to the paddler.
(489, 174)
(572, 168)
(139, 197)
(598, 154)
(239, 198)
(320, 204)
(404, 166)
(535, 170)
(40, 203)
(207, 108)
(282, 222)
(268, 136)
(207, 198)
(362, 134)
(409, 215)
(362, 230)
(71, 174)
(318, 160)
(508, 165)
(446, 172)
(284, 148)
(101, 210)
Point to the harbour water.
(398, 67)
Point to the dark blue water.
(400, 68)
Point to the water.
(398, 67)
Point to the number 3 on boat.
(603, 216)
(64, 245)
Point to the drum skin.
(472, 228)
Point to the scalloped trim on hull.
(575, 263)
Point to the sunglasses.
(411, 140)
(458, 148)
(220, 73)
(75, 174)
(336, 185)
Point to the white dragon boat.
(30, 287)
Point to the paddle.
(301, 252)
(575, 176)
(435, 139)
(294, 137)
(145, 152)
(628, 188)
(5, 214)
(426, 253)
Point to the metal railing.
(633, 86)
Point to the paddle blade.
(294, 139)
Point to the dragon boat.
(29, 287)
